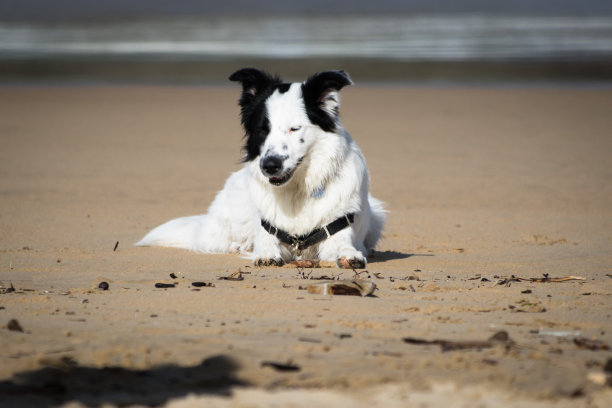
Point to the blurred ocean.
(376, 47)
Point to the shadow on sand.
(385, 256)
(67, 381)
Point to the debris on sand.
(526, 306)
(203, 284)
(307, 263)
(235, 276)
(589, 344)
(351, 287)
(309, 276)
(508, 281)
(499, 338)
(13, 325)
(286, 367)
(4, 290)
(165, 285)
(103, 285)
(546, 278)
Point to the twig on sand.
(499, 338)
(235, 276)
(546, 278)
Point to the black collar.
(304, 241)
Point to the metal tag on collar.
(319, 192)
(295, 242)
(297, 246)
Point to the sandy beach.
(493, 193)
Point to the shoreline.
(152, 71)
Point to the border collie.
(303, 191)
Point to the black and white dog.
(303, 191)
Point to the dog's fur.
(302, 171)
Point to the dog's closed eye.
(295, 128)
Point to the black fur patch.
(315, 89)
(257, 86)
(282, 88)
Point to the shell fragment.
(352, 287)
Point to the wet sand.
(486, 188)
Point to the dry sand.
(481, 185)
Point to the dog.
(303, 192)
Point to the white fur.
(329, 180)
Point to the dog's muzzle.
(272, 167)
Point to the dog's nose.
(272, 165)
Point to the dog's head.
(281, 120)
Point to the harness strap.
(304, 241)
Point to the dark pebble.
(103, 285)
(501, 336)
(173, 275)
(202, 284)
(13, 325)
(164, 285)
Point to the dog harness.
(302, 242)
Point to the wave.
(405, 38)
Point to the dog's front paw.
(351, 263)
(269, 262)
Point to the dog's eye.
(295, 128)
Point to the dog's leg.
(266, 250)
(340, 248)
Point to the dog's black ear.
(253, 81)
(257, 85)
(321, 94)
